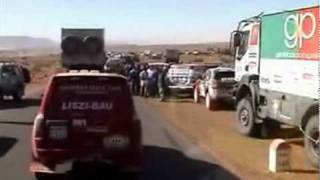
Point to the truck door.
(247, 56)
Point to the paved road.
(168, 155)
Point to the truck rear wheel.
(18, 96)
(312, 147)
(246, 118)
(1, 96)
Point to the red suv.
(86, 117)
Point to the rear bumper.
(61, 161)
(181, 89)
(12, 91)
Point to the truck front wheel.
(43, 176)
(246, 118)
(311, 140)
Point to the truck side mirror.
(235, 41)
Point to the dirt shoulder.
(216, 132)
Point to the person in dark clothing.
(134, 80)
(127, 68)
(144, 80)
(162, 83)
(153, 78)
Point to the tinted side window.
(227, 74)
(11, 70)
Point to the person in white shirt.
(144, 82)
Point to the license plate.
(116, 141)
(58, 132)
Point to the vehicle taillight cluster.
(39, 126)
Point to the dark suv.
(86, 117)
(12, 80)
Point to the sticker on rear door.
(87, 106)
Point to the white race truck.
(276, 69)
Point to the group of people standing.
(148, 81)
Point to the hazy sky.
(137, 21)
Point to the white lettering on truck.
(87, 106)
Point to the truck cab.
(247, 49)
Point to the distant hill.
(25, 43)
(162, 47)
(30, 46)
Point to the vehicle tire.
(246, 118)
(131, 176)
(17, 96)
(210, 103)
(43, 176)
(1, 96)
(312, 148)
(196, 96)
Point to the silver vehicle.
(183, 76)
(12, 80)
(115, 65)
(216, 87)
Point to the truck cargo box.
(289, 52)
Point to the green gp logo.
(295, 39)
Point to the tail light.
(37, 134)
(38, 126)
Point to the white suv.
(216, 85)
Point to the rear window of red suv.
(89, 97)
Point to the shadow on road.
(160, 164)
(11, 104)
(163, 163)
(6, 143)
(17, 123)
(308, 171)
(287, 133)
